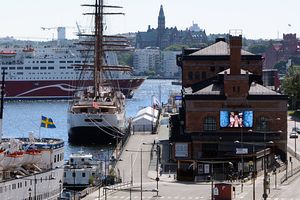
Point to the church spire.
(161, 19)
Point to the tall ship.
(97, 114)
(54, 72)
(30, 168)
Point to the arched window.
(210, 124)
(262, 124)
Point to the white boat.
(54, 72)
(97, 115)
(82, 170)
(30, 168)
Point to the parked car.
(294, 135)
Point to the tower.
(161, 19)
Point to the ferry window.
(35, 67)
(73, 174)
(83, 174)
(41, 179)
(19, 73)
(54, 158)
(62, 67)
(13, 186)
(27, 67)
(70, 61)
(25, 183)
(37, 61)
(43, 67)
(62, 61)
(85, 61)
(33, 61)
(12, 68)
(30, 182)
(210, 124)
(64, 174)
(77, 61)
(20, 68)
(4, 67)
(70, 67)
(1, 190)
(50, 67)
(43, 61)
(50, 61)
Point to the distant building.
(169, 66)
(282, 50)
(163, 37)
(145, 60)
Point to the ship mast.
(102, 43)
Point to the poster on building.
(181, 150)
(206, 168)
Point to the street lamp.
(264, 165)
(141, 152)
(157, 162)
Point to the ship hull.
(61, 89)
(91, 135)
(100, 128)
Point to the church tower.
(161, 19)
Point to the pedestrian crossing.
(153, 197)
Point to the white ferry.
(31, 168)
(45, 73)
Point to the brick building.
(229, 121)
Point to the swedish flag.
(47, 122)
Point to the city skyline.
(256, 19)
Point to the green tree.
(281, 67)
(257, 48)
(176, 47)
(291, 84)
(125, 58)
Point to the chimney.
(235, 54)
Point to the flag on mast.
(47, 122)
(155, 102)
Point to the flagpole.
(40, 129)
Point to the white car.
(294, 135)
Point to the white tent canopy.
(147, 111)
(144, 122)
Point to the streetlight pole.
(141, 174)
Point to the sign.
(241, 150)
(181, 150)
(206, 168)
(216, 191)
(178, 97)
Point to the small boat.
(82, 171)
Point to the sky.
(258, 19)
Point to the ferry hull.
(60, 89)
(92, 135)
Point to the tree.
(281, 67)
(291, 84)
(257, 48)
(176, 47)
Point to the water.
(20, 118)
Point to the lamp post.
(60, 184)
(157, 163)
(141, 152)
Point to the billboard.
(236, 118)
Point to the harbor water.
(23, 117)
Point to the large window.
(210, 124)
(262, 124)
(190, 76)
